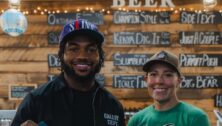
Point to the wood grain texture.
(23, 59)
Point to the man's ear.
(145, 77)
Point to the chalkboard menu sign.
(200, 60)
(207, 81)
(53, 37)
(218, 100)
(53, 60)
(64, 18)
(141, 38)
(188, 17)
(130, 59)
(203, 38)
(18, 92)
(122, 17)
(121, 81)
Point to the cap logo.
(162, 55)
(82, 26)
(77, 24)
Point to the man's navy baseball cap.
(80, 27)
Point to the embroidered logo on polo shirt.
(169, 124)
(112, 120)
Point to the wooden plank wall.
(23, 60)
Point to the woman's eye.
(152, 74)
(169, 74)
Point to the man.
(74, 98)
(163, 78)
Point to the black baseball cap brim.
(149, 64)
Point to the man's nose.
(82, 54)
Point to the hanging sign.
(202, 38)
(123, 81)
(207, 81)
(53, 60)
(190, 17)
(53, 38)
(122, 17)
(130, 59)
(141, 38)
(18, 92)
(200, 60)
(64, 18)
(218, 100)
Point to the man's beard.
(81, 79)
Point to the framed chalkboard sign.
(130, 59)
(200, 60)
(18, 92)
(126, 81)
(53, 60)
(218, 100)
(141, 38)
(148, 17)
(200, 38)
(64, 18)
(190, 17)
(206, 81)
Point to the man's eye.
(92, 49)
(73, 49)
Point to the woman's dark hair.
(62, 49)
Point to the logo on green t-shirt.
(169, 124)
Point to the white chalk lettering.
(148, 3)
(197, 18)
(194, 60)
(200, 38)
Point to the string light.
(108, 12)
(176, 11)
(42, 10)
(38, 8)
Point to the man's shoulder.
(47, 88)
